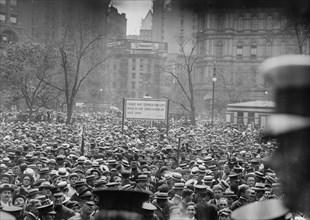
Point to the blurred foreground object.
(266, 210)
(290, 77)
(120, 205)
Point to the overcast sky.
(135, 10)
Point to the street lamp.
(214, 79)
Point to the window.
(219, 49)
(3, 38)
(269, 23)
(141, 64)
(133, 85)
(133, 75)
(250, 117)
(13, 19)
(13, 2)
(254, 24)
(141, 75)
(283, 48)
(268, 49)
(2, 2)
(239, 49)
(253, 50)
(2, 18)
(240, 24)
(220, 23)
(240, 117)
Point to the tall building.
(234, 39)
(146, 27)
(133, 70)
(172, 21)
(117, 24)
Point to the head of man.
(190, 210)
(6, 192)
(218, 192)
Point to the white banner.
(145, 109)
(144, 46)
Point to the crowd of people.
(51, 170)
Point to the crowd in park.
(51, 170)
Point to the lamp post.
(214, 79)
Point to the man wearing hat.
(204, 210)
(289, 74)
(88, 207)
(141, 184)
(148, 211)
(6, 192)
(62, 211)
(218, 194)
(163, 205)
(46, 212)
(243, 196)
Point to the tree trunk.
(193, 118)
(69, 112)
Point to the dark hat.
(100, 182)
(13, 210)
(73, 175)
(46, 210)
(5, 187)
(141, 178)
(264, 210)
(178, 186)
(118, 200)
(44, 170)
(112, 185)
(224, 184)
(259, 187)
(6, 216)
(32, 192)
(45, 184)
(161, 195)
(200, 188)
(72, 204)
(81, 190)
(233, 175)
(90, 177)
(229, 194)
(259, 174)
(148, 207)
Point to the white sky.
(135, 10)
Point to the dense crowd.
(50, 170)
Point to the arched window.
(255, 24)
(219, 49)
(240, 24)
(268, 49)
(9, 36)
(269, 23)
(253, 49)
(239, 49)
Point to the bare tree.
(182, 73)
(26, 67)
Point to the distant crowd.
(50, 170)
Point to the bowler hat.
(6, 187)
(117, 200)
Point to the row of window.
(3, 18)
(133, 85)
(12, 2)
(242, 23)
